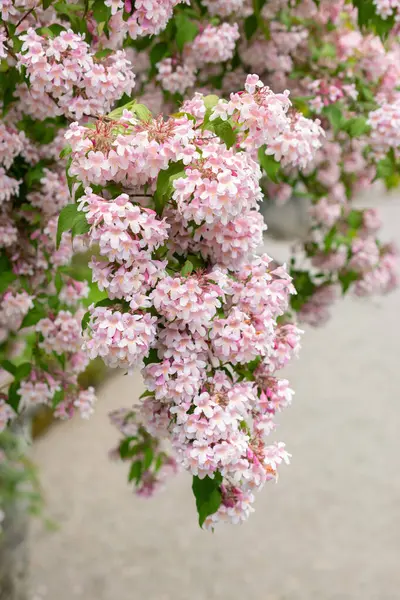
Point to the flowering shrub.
(169, 208)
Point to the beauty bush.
(147, 134)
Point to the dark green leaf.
(269, 164)
(80, 224)
(250, 26)
(8, 366)
(13, 397)
(101, 12)
(164, 189)
(34, 175)
(46, 3)
(125, 447)
(148, 458)
(66, 220)
(208, 495)
(186, 30)
(152, 357)
(346, 279)
(224, 130)
(6, 278)
(85, 320)
(335, 116)
(23, 370)
(58, 282)
(35, 315)
(58, 398)
(135, 472)
(158, 52)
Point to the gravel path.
(330, 529)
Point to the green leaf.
(142, 112)
(103, 53)
(258, 5)
(46, 3)
(369, 19)
(158, 52)
(35, 315)
(6, 278)
(125, 447)
(80, 224)
(23, 370)
(224, 130)
(357, 126)
(34, 175)
(164, 187)
(58, 282)
(85, 320)
(186, 30)
(335, 116)
(65, 151)
(51, 31)
(385, 168)
(135, 472)
(152, 357)
(13, 397)
(101, 12)
(328, 50)
(208, 495)
(211, 100)
(8, 83)
(355, 219)
(58, 398)
(269, 164)
(346, 279)
(250, 26)
(66, 220)
(148, 458)
(187, 268)
(8, 366)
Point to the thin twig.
(25, 16)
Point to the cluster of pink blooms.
(193, 333)
(65, 69)
(175, 77)
(28, 243)
(385, 127)
(265, 119)
(147, 17)
(327, 93)
(129, 151)
(61, 336)
(13, 308)
(53, 195)
(386, 8)
(224, 8)
(6, 414)
(213, 45)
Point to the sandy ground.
(329, 530)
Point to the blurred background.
(330, 528)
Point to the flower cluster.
(65, 69)
(206, 335)
(265, 120)
(386, 8)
